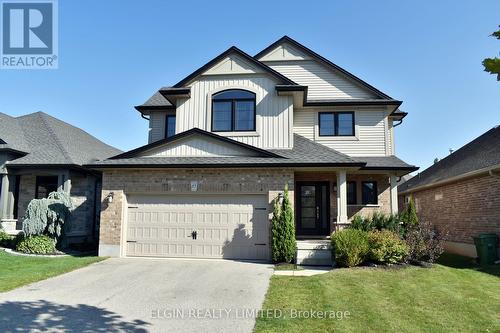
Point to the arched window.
(233, 110)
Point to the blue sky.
(115, 54)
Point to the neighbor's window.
(45, 185)
(336, 123)
(351, 193)
(233, 110)
(170, 126)
(369, 196)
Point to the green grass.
(453, 296)
(16, 271)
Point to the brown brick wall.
(466, 208)
(121, 182)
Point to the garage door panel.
(233, 226)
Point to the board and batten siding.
(157, 125)
(196, 146)
(370, 132)
(323, 83)
(274, 114)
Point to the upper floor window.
(233, 111)
(336, 123)
(170, 125)
(369, 196)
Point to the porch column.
(4, 198)
(394, 194)
(341, 197)
(64, 181)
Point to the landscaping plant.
(386, 247)
(36, 245)
(5, 239)
(409, 216)
(284, 244)
(378, 221)
(350, 247)
(47, 216)
(425, 242)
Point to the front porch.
(326, 201)
(20, 185)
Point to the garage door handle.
(260, 244)
(131, 241)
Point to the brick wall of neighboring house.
(27, 185)
(122, 182)
(83, 198)
(465, 208)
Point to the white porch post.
(394, 194)
(4, 198)
(341, 197)
(64, 182)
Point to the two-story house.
(224, 141)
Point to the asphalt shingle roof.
(481, 153)
(48, 140)
(304, 153)
(156, 100)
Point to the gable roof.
(324, 61)
(233, 49)
(45, 140)
(479, 154)
(193, 131)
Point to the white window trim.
(317, 137)
(258, 123)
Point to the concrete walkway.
(158, 295)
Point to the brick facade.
(122, 182)
(82, 195)
(465, 208)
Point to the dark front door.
(313, 208)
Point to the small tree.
(47, 216)
(409, 216)
(492, 65)
(284, 244)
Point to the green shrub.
(284, 245)
(386, 247)
(350, 247)
(5, 239)
(36, 245)
(378, 221)
(409, 216)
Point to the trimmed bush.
(350, 247)
(386, 247)
(6, 240)
(36, 245)
(284, 244)
(378, 221)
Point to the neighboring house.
(225, 140)
(40, 154)
(461, 192)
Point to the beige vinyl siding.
(370, 137)
(323, 83)
(195, 146)
(390, 137)
(273, 114)
(157, 125)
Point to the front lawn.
(16, 271)
(453, 296)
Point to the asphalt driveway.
(158, 295)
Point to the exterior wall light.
(110, 196)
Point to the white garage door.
(202, 226)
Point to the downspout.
(400, 122)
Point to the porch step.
(314, 252)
